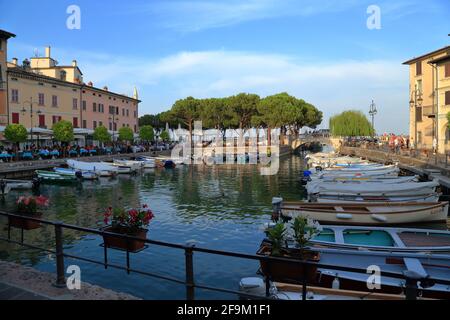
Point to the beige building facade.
(39, 92)
(429, 95)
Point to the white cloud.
(331, 86)
(195, 15)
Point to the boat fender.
(378, 217)
(344, 216)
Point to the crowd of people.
(32, 151)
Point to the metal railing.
(411, 280)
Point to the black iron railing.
(410, 279)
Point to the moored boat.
(102, 169)
(87, 175)
(369, 214)
(54, 176)
(372, 188)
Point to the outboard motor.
(79, 174)
(306, 177)
(255, 286)
(36, 182)
(276, 206)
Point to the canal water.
(220, 207)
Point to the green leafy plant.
(350, 124)
(63, 131)
(126, 134)
(102, 135)
(16, 133)
(304, 230)
(146, 133)
(165, 136)
(277, 235)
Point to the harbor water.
(220, 207)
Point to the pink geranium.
(133, 218)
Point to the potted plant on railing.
(276, 246)
(28, 208)
(131, 222)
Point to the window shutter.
(418, 68)
(15, 118)
(447, 98)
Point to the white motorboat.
(358, 173)
(432, 197)
(147, 162)
(86, 175)
(100, 168)
(372, 188)
(362, 180)
(134, 165)
(122, 168)
(254, 287)
(368, 214)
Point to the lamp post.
(415, 102)
(113, 119)
(372, 112)
(24, 111)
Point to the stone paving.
(18, 282)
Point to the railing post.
(190, 289)
(305, 276)
(60, 278)
(411, 284)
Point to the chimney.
(90, 84)
(74, 63)
(26, 64)
(15, 61)
(105, 88)
(47, 52)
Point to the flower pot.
(24, 223)
(123, 243)
(282, 271)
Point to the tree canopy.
(241, 111)
(16, 133)
(350, 124)
(165, 136)
(101, 134)
(146, 133)
(126, 134)
(63, 131)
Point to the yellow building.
(4, 36)
(39, 92)
(429, 95)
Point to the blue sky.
(321, 51)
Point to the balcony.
(429, 111)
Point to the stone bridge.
(302, 140)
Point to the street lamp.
(24, 111)
(113, 119)
(372, 112)
(415, 102)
